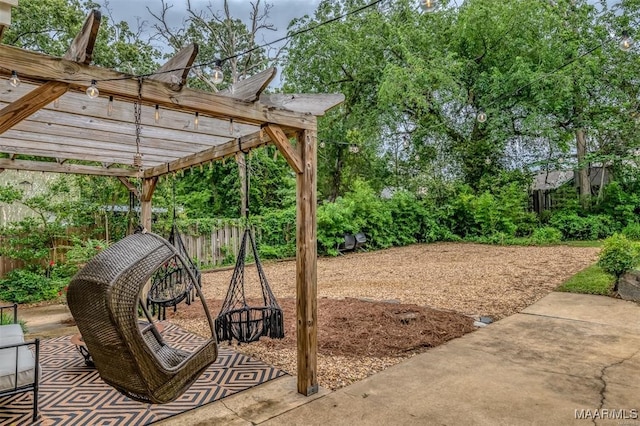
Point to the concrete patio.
(568, 359)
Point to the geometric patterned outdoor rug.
(73, 394)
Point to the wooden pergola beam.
(282, 142)
(33, 101)
(314, 103)
(176, 70)
(212, 154)
(306, 265)
(43, 166)
(129, 186)
(81, 49)
(37, 67)
(148, 187)
(249, 89)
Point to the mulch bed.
(352, 327)
(360, 328)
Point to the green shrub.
(576, 227)
(632, 231)
(334, 220)
(24, 286)
(83, 251)
(407, 215)
(546, 235)
(618, 256)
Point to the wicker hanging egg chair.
(104, 298)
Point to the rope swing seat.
(171, 283)
(237, 319)
(105, 297)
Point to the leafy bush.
(25, 286)
(632, 231)
(546, 235)
(83, 251)
(618, 256)
(334, 220)
(576, 227)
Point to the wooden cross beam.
(215, 153)
(54, 167)
(129, 186)
(282, 142)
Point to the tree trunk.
(337, 176)
(584, 183)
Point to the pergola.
(49, 116)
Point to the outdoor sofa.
(19, 360)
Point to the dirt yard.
(377, 308)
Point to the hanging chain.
(137, 158)
(137, 109)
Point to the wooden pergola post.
(148, 186)
(306, 265)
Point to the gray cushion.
(12, 334)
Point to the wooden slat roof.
(78, 131)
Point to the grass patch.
(592, 280)
(578, 243)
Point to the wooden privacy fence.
(218, 248)
(7, 265)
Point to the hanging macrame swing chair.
(171, 283)
(237, 319)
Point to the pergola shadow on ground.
(49, 117)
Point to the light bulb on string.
(14, 81)
(428, 5)
(322, 144)
(110, 106)
(196, 121)
(92, 91)
(156, 115)
(626, 42)
(481, 117)
(217, 76)
(56, 103)
(354, 149)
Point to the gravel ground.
(469, 279)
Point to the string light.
(156, 115)
(322, 144)
(354, 149)
(428, 5)
(14, 81)
(481, 117)
(56, 103)
(217, 76)
(92, 91)
(626, 42)
(196, 121)
(110, 107)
